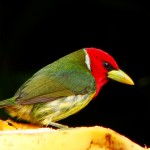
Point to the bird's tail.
(7, 102)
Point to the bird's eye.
(107, 66)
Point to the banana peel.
(14, 136)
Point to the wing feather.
(64, 77)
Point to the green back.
(67, 76)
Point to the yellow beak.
(120, 76)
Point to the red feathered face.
(101, 62)
(103, 66)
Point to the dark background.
(35, 33)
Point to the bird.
(64, 87)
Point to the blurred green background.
(35, 33)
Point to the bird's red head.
(100, 64)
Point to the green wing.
(66, 76)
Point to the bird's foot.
(57, 125)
